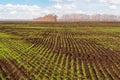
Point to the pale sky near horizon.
(28, 9)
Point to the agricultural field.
(60, 51)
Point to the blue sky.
(42, 3)
(28, 9)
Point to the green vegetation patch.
(1, 77)
(5, 35)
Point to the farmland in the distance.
(60, 51)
